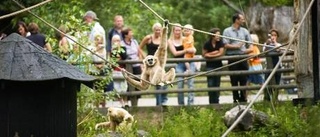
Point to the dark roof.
(23, 60)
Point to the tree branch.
(231, 5)
(23, 10)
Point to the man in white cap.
(91, 18)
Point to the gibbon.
(117, 117)
(154, 67)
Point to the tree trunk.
(303, 51)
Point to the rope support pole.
(270, 76)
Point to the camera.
(269, 39)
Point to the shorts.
(120, 85)
(256, 79)
(109, 87)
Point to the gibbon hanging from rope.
(154, 67)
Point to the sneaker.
(187, 72)
(126, 107)
(164, 103)
(190, 103)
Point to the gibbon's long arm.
(104, 124)
(141, 85)
(161, 53)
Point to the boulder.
(139, 133)
(251, 118)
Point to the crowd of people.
(119, 43)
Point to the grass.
(201, 121)
(288, 121)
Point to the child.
(255, 63)
(100, 50)
(188, 42)
(119, 53)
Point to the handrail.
(224, 73)
(178, 60)
(134, 93)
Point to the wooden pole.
(303, 52)
(316, 48)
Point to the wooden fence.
(171, 62)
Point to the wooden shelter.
(37, 91)
(316, 48)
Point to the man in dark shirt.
(38, 38)
(116, 30)
(235, 47)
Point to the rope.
(173, 24)
(155, 13)
(222, 36)
(113, 65)
(23, 10)
(272, 73)
(228, 65)
(272, 104)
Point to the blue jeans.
(213, 81)
(161, 99)
(181, 68)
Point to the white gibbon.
(154, 67)
(118, 117)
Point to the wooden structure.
(316, 48)
(307, 52)
(37, 91)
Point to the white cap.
(91, 14)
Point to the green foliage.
(193, 122)
(190, 122)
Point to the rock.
(142, 133)
(110, 134)
(250, 119)
(139, 133)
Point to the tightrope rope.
(204, 32)
(222, 36)
(271, 75)
(186, 78)
(113, 65)
(155, 13)
(228, 65)
(25, 9)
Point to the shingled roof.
(23, 60)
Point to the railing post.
(270, 93)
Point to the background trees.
(202, 14)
